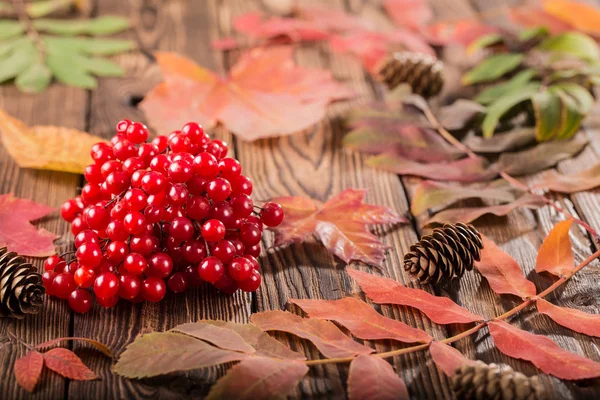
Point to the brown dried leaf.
(501, 142)
(220, 337)
(573, 183)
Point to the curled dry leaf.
(573, 183)
(46, 147)
(556, 254)
(341, 224)
(326, 337)
(441, 310)
(221, 337)
(66, 363)
(503, 272)
(576, 320)
(28, 370)
(542, 352)
(100, 346)
(361, 319)
(447, 358)
(372, 378)
(246, 102)
(501, 142)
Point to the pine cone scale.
(422, 72)
(21, 288)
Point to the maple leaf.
(576, 320)
(28, 370)
(573, 183)
(340, 224)
(556, 255)
(447, 358)
(46, 147)
(265, 94)
(372, 378)
(67, 364)
(18, 234)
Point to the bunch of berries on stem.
(170, 213)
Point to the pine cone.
(421, 71)
(21, 288)
(446, 253)
(490, 382)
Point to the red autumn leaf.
(542, 352)
(28, 370)
(556, 254)
(66, 363)
(259, 378)
(532, 17)
(462, 32)
(257, 25)
(17, 233)
(341, 224)
(221, 337)
(412, 14)
(447, 358)
(581, 16)
(503, 272)
(579, 321)
(441, 310)
(265, 94)
(373, 378)
(100, 346)
(573, 183)
(327, 337)
(361, 319)
(470, 214)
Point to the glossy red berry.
(135, 263)
(180, 171)
(116, 231)
(230, 168)
(80, 301)
(211, 269)
(134, 222)
(271, 214)
(84, 277)
(122, 126)
(160, 265)
(129, 286)
(93, 174)
(137, 133)
(69, 210)
(47, 279)
(117, 251)
(106, 285)
(240, 269)
(97, 217)
(218, 189)
(178, 282)
(108, 302)
(161, 142)
(250, 234)
(213, 230)
(241, 205)
(181, 228)
(144, 244)
(224, 250)
(226, 284)
(135, 199)
(252, 284)
(62, 285)
(197, 207)
(206, 165)
(241, 185)
(194, 251)
(89, 254)
(154, 289)
(51, 262)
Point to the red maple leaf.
(265, 94)
(17, 233)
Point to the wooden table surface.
(309, 163)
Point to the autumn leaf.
(66, 363)
(447, 358)
(326, 337)
(412, 14)
(503, 272)
(460, 32)
(501, 142)
(100, 346)
(542, 352)
(18, 234)
(441, 310)
(573, 183)
(46, 147)
(259, 378)
(583, 17)
(533, 17)
(28, 370)
(361, 319)
(219, 336)
(576, 320)
(265, 94)
(457, 115)
(372, 378)
(556, 254)
(341, 224)
(258, 26)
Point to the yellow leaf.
(46, 147)
(583, 17)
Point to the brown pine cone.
(445, 254)
(21, 287)
(490, 382)
(422, 72)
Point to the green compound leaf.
(502, 105)
(19, 59)
(95, 27)
(493, 68)
(92, 46)
(548, 113)
(572, 43)
(10, 29)
(492, 93)
(34, 79)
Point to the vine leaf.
(326, 337)
(259, 378)
(341, 224)
(556, 255)
(247, 103)
(503, 272)
(576, 320)
(67, 364)
(447, 358)
(28, 370)
(221, 337)
(542, 352)
(361, 319)
(573, 183)
(441, 310)
(372, 378)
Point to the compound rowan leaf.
(219, 336)
(581, 16)
(259, 378)
(46, 147)
(327, 337)
(493, 68)
(441, 310)
(66, 363)
(573, 183)
(576, 320)
(373, 378)
(265, 94)
(556, 254)
(361, 319)
(17, 233)
(503, 272)
(447, 358)
(542, 352)
(28, 370)
(341, 224)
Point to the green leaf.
(572, 43)
(97, 26)
(34, 79)
(503, 104)
(99, 66)
(490, 94)
(7, 46)
(583, 100)
(572, 111)
(534, 33)
(40, 8)
(20, 59)
(485, 41)
(548, 112)
(93, 46)
(10, 29)
(68, 72)
(493, 68)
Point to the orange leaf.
(462, 32)
(542, 352)
(503, 272)
(556, 255)
(576, 320)
(341, 224)
(66, 363)
(28, 370)
(581, 16)
(327, 337)
(17, 233)
(441, 310)
(373, 378)
(532, 17)
(361, 319)
(265, 94)
(447, 358)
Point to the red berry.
(69, 210)
(80, 301)
(77, 225)
(194, 251)
(134, 222)
(47, 279)
(224, 250)
(89, 254)
(196, 185)
(51, 262)
(181, 229)
(136, 178)
(195, 132)
(250, 234)
(137, 133)
(116, 231)
(135, 263)
(179, 143)
(106, 285)
(117, 251)
(197, 207)
(239, 246)
(160, 142)
(206, 165)
(178, 194)
(160, 265)
(213, 230)
(218, 189)
(153, 214)
(97, 217)
(154, 289)
(180, 171)
(242, 205)
(191, 274)
(252, 250)
(93, 174)
(226, 284)
(144, 244)
(135, 199)
(160, 163)
(178, 282)
(251, 284)
(122, 126)
(224, 213)
(147, 151)
(117, 182)
(240, 269)
(108, 302)
(241, 185)
(84, 277)
(271, 214)
(118, 211)
(103, 154)
(230, 168)
(91, 194)
(211, 269)
(62, 285)
(129, 286)
(86, 236)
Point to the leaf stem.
(33, 34)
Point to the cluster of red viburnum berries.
(174, 212)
